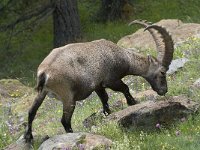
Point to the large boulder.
(69, 141)
(152, 109)
(76, 141)
(149, 113)
(180, 32)
(96, 117)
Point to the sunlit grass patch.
(5, 137)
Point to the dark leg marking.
(120, 86)
(101, 92)
(31, 115)
(68, 110)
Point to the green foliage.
(29, 48)
(5, 137)
(170, 9)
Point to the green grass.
(138, 139)
(21, 61)
(5, 137)
(130, 139)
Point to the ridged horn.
(166, 46)
(144, 23)
(157, 39)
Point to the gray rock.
(176, 64)
(76, 141)
(95, 118)
(3, 92)
(149, 113)
(197, 83)
(180, 32)
(20, 144)
(150, 95)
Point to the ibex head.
(158, 67)
(156, 76)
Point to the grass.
(184, 135)
(21, 61)
(5, 137)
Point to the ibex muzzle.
(158, 81)
(74, 71)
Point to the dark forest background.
(30, 29)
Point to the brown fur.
(74, 71)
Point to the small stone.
(183, 119)
(197, 83)
(158, 126)
(176, 64)
(177, 133)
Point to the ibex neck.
(138, 64)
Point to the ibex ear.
(152, 60)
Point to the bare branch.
(8, 43)
(6, 5)
(49, 7)
(33, 24)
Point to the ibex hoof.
(69, 130)
(28, 138)
(107, 112)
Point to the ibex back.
(74, 71)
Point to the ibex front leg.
(101, 92)
(31, 115)
(122, 87)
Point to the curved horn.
(144, 23)
(165, 54)
(153, 32)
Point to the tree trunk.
(66, 22)
(112, 9)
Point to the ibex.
(74, 71)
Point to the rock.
(147, 95)
(98, 116)
(20, 144)
(95, 118)
(16, 94)
(149, 113)
(180, 32)
(176, 64)
(76, 141)
(197, 83)
(3, 92)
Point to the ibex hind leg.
(101, 92)
(68, 109)
(31, 115)
(120, 86)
